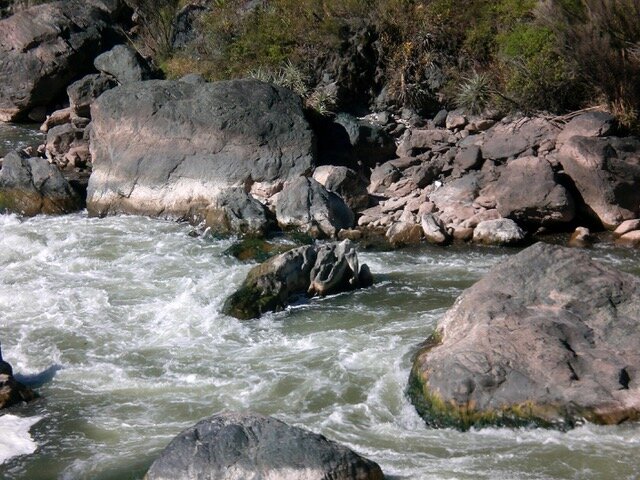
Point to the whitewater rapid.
(116, 322)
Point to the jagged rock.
(59, 117)
(590, 124)
(39, 61)
(528, 192)
(606, 172)
(510, 140)
(434, 230)
(83, 92)
(12, 392)
(30, 186)
(167, 148)
(308, 270)
(503, 231)
(469, 158)
(403, 233)
(547, 337)
(235, 211)
(186, 24)
(124, 64)
(305, 205)
(61, 139)
(382, 177)
(418, 141)
(346, 183)
(245, 445)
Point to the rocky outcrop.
(12, 392)
(306, 206)
(304, 271)
(168, 148)
(606, 172)
(44, 48)
(548, 337)
(30, 186)
(245, 445)
(124, 64)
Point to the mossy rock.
(250, 302)
(256, 249)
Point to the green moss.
(256, 249)
(250, 302)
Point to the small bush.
(475, 94)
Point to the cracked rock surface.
(548, 337)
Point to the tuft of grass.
(475, 93)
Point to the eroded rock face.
(30, 186)
(305, 205)
(304, 271)
(548, 337)
(606, 172)
(233, 445)
(43, 48)
(167, 148)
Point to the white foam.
(15, 439)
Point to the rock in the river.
(434, 230)
(12, 392)
(606, 172)
(43, 48)
(30, 186)
(548, 337)
(231, 446)
(236, 211)
(503, 231)
(308, 270)
(305, 205)
(167, 148)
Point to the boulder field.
(549, 337)
(245, 445)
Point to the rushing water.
(14, 137)
(117, 321)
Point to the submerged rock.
(168, 148)
(303, 271)
(30, 186)
(244, 445)
(548, 337)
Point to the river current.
(116, 322)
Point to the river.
(116, 322)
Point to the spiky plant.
(475, 93)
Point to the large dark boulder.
(12, 392)
(303, 271)
(124, 64)
(306, 206)
(606, 173)
(43, 48)
(83, 92)
(548, 337)
(246, 445)
(30, 186)
(168, 148)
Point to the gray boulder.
(606, 172)
(303, 271)
(305, 205)
(43, 48)
(83, 92)
(590, 124)
(249, 446)
(235, 211)
(346, 183)
(548, 337)
(434, 230)
(30, 186)
(528, 192)
(167, 148)
(503, 231)
(510, 140)
(124, 64)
